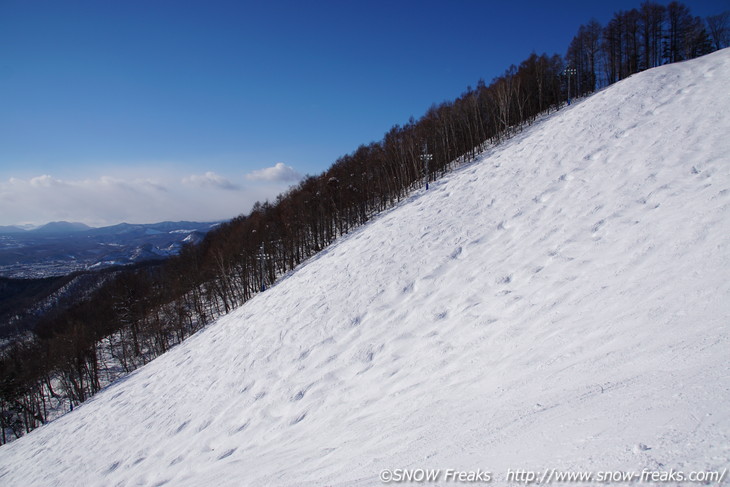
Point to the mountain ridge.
(63, 226)
(60, 248)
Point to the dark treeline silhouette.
(141, 313)
(23, 302)
(642, 38)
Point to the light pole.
(261, 257)
(569, 72)
(426, 158)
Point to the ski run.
(561, 304)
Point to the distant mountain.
(148, 228)
(10, 229)
(61, 227)
(59, 248)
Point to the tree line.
(138, 314)
(642, 38)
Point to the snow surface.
(563, 303)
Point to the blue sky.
(155, 110)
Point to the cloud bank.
(106, 200)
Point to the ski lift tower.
(426, 158)
(569, 72)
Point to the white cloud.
(210, 179)
(280, 172)
(45, 181)
(151, 184)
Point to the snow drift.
(563, 303)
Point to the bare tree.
(679, 22)
(652, 29)
(719, 27)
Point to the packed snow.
(561, 303)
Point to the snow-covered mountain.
(562, 303)
(60, 248)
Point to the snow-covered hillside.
(563, 303)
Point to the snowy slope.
(562, 303)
